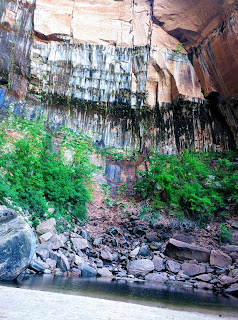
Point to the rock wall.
(94, 60)
(169, 128)
(16, 31)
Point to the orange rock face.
(120, 23)
(216, 60)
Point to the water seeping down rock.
(122, 80)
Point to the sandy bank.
(19, 304)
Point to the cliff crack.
(72, 16)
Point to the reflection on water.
(147, 293)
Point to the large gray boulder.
(17, 244)
(140, 267)
(179, 250)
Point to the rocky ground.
(116, 244)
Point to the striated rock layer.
(107, 54)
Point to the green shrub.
(225, 234)
(34, 177)
(188, 185)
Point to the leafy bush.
(224, 234)
(189, 185)
(34, 177)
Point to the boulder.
(220, 259)
(140, 267)
(45, 237)
(235, 237)
(61, 260)
(144, 251)
(87, 270)
(134, 252)
(106, 255)
(187, 238)
(79, 243)
(204, 277)
(105, 273)
(37, 266)
(203, 285)
(46, 226)
(17, 244)
(230, 248)
(157, 277)
(234, 224)
(179, 250)
(192, 269)
(226, 280)
(97, 242)
(158, 263)
(56, 242)
(173, 266)
(233, 290)
(51, 263)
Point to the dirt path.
(19, 304)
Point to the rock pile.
(137, 250)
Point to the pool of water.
(147, 293)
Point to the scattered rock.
(106, 255)
(182, 275)
(158, 263)
(144, 251)
(87, 271)
(104, 272)
(179, 250)
(79, 243)
(192, 269)
(203, 285)
(234, 224)
(220, 259)
(184, 238)
(140, 267)
(56, 242)
(45, 237)
(99, 263)
(63, 238)
(235, 237)
(204, 277)
(173, 266)
(51, 263)
(46, 226)
(17, 244)
(97, 242)
(225, 280)
(61, 260)
(234, 256)
(157, 277)
(134, 252)
(233, 290)
(37, 266)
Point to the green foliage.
(34, 177)
(225, 234)
(188, 184)
(178, 49)
(119, 154)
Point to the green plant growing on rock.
(34, 177)
(178, 49)
(224, 234)
(188, 186)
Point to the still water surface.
(147, 293)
